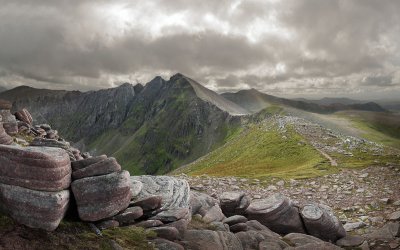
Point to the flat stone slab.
(37, 168)
(106, 166)
(103, 196)
(36, 209)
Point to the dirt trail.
(332, 161)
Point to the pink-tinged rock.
(37, 168)
(10, 124)
(76, 165)
(103, 167)
(277, 213)
(4, 104)
(5, 139)
(103, 196)
(36, 209)
(24, 115)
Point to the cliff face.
(149, 129)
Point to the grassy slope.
(257, 153)
(376, 126)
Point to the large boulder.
(307, 242)
(234, 203)
(9, 122)
(201, 202)
(207, 239)
(36, 209)
(251, 239)
(277, 213)
(103, 196)
(174, 192)
(320, 222)
(37, 168)
(77, 165)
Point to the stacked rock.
(34, 185)
(9, 122)
(101, 189)
(24, 116)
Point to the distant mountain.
(332, 100)
(150, 129)
(255, 101)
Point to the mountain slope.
(255, 101)
(2, 89)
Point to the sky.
(291, 48)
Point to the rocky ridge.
(180, 217)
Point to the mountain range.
(160, 126)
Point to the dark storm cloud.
(302, 44)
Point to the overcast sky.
(293, 48)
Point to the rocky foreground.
(43, 180)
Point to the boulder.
(107, 224)
(234, 203)
(201, 202)
(239, 227)
(149, 223)
(168, 233)
(163, 244)
(174, 192)
(277, 213)
(37, 168)
(320, 222)
(251, 239)
(148, 203)
(136, 187)
(129, 215)
(10, 124)
(235, 220)
(387, 232)
(214, 214)
(106, 166)
(172, 215)
(298, 239)
(36, 209)
(350, 241)
(103, 196)
(25, 116)
(5, 139)
(76, 165)
(207, 239)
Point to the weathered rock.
(350, 241)
(174, 192)
(350, 226)
(5, 139)
(172, 215)
(201, 202)
(76, 165)
(10, 124)
(214, 214)
(298, 239)
(103, 167)
(251, 239)
(277, 213)
(163, 244)
(219, 226)
(320, 222)
(136, 188)
(149, 223)
(207, 239)
(387, 232)
(168, 233)
(257, 226)
(129, 215)
(42, 142)
(234, 203)
(148, 203)
(37, 168)
(5, 105)
(102, 196)
(107, 224)
(239, 227)
(317, 246)
(36, 209)
(272, 244)
(235, 219)
(24, 115)
(181, 225)
(394, 216)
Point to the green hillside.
(260, 152)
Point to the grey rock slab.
(106, 166)
(36, 209)
(214, 214)
(395, 216)
(207, 239)
(129, 215)
(351, 226)
(235, 219)
(350, 241)
(172, 215)
(174, 191)
(163, 244)
(168, 233)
